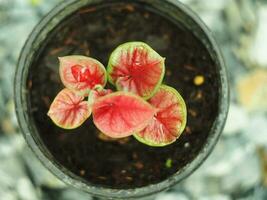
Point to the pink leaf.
(170, 120)
(81, 74)
(121, 114)
(68, 110)
(137, 68)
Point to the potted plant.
(84, 157)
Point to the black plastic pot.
(172, 10)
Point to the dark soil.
(125, 163)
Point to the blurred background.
(236, 169)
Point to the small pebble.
(168, 73)
(146, 15)
(188, 130)
(102, 177)
(187, 144)
(130, 8)
(82, 172)
(128, 178)
(192, 113)
(168, 163)
(199, 80)
(139, 165)
(135, 156)
(199, 95)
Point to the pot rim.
(23, 119)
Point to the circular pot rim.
(100, 191)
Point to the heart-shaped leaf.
(81, 74)
(121, 114)
(68, 109)
(137, 68)
(169, 121)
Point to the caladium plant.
(137, 68)
(68, 109)
(122, 114)
(169, 121)
(81, 74)
(153, 113)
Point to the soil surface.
(124, 163)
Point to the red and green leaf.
(136, 67)
(121, 114)
(68, 110)
(169, 121)
(81, 74)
